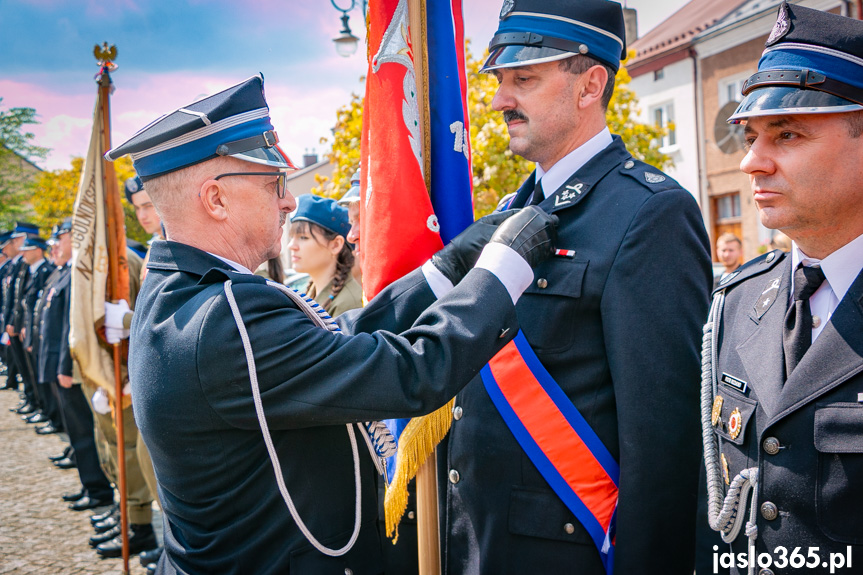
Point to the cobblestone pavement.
(39, 535)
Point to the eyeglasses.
(281, 184)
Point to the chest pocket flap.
(559, 276)
(839, 428)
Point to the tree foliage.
(54, 196)
(496, 170)
(17, 154)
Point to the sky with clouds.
(171, 52)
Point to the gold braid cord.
(416, 443)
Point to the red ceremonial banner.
(400, 230)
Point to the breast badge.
(735, 423)
(716, 413)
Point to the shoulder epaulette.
(649, 177)
(753, 267)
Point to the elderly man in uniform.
(596, 468)
(246, 393)
(783, 383)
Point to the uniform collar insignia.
(768, 297)
(507, 7)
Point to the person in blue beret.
(319, 247)
(257, 407)
(782, 390)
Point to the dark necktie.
(797, 332)
(538, 195)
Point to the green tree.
(54, 196)
(496, 170)
(17, 154)
(345, 151)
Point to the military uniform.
(782, 388)
(617, 326)
(615, 319)
(223, 512)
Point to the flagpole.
(118, 282)
(428, 529)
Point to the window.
(658, 74)
(731, 88)
(663, 117)
(727, 208)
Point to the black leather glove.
(531, 233)
(459, 256)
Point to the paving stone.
(38, 533)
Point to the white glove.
(100, 402)
(114, 314)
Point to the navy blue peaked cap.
(24, 228)
(234, 122)
(58, 230)
(132, 186)
(34, 242)
(325, 212)
(5, 238)
(536, 31)
(812, 64)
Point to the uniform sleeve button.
(766, 572)
(569, 528)
(542, 283)
(349, 571)
(411, 515)
(457, 412)
(454, 476)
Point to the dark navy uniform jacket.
(811, 470)
(31, 291)
(619, 328)
(53, 315)
(10, 281)
(193, 404)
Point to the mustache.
(510, 115)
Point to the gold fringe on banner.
(416, 443)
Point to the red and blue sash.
(557, 439)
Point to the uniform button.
(411, 515)
(816, 321)
(454, 477)
(629, 164)
(771, 446)
(542, 283)
(457, 412)
(766, 572)
(769, 511)
(349, 571)
(770, 257)
(569, 528)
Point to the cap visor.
(266, 157)
(782, 100)
(514, 56)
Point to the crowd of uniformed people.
(599, 425)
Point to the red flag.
(400, 228)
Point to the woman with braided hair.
(319, 247)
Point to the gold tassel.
(416, 443)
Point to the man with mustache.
(783, 392)
(611, 329)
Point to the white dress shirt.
(560, 172)
(840, 269)
(240, 268)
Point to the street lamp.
(346, 43)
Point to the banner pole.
(428, 529)
(118, 288)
